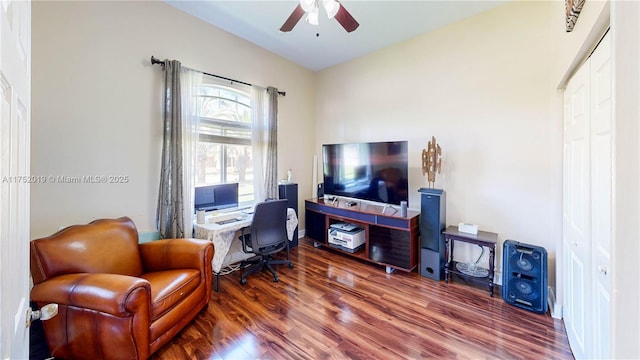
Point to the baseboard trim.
(554, 308)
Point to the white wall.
(481, 87)
(97, 103)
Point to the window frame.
(212, 130)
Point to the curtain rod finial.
(156, 61)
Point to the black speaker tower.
(432, 224)
(290, 192)
(524, 276)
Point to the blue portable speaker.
(524, 276)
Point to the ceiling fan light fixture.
(307, 5)
(312, 17)
(311, 8)
(331, 7)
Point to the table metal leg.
(447, 261)
(492, 251)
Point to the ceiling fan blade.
(293, 19)
(346, 20)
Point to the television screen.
(377, 171)
(215, 197)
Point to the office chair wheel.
(275, 278)
(243, 281)
(290, 265)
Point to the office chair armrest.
(245, 249)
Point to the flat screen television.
(374, 171)
(216, 197)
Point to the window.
(224, 143)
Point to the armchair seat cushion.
(169, 288)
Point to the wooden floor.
(331, 306)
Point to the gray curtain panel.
(271, 171)
(170, 213)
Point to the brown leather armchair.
(117, 299)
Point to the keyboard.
(228, 221)
(234, 209)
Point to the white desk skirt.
(222, 237)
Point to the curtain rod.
(157, 61)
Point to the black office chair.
(268, 235)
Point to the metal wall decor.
(431, 161)
(573, 8)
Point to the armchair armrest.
(118, 295)
(170, 254)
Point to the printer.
(346, 237)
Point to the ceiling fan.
(312, 8)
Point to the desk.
(222, 236)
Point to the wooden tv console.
(391, 240)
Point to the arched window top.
(223, 103)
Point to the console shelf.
(482, 238)
(390, 240)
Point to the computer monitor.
(216, 197)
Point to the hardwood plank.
(332, 306)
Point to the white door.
(15, 90)
(577, 212)
(587, 209)
(601, 195)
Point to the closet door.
(577, 212)
(601, 194)
(587, 205)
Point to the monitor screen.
(215, 197)
(369, 171)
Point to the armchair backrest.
(102, 246)
(269, 227)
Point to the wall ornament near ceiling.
(573, 8)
